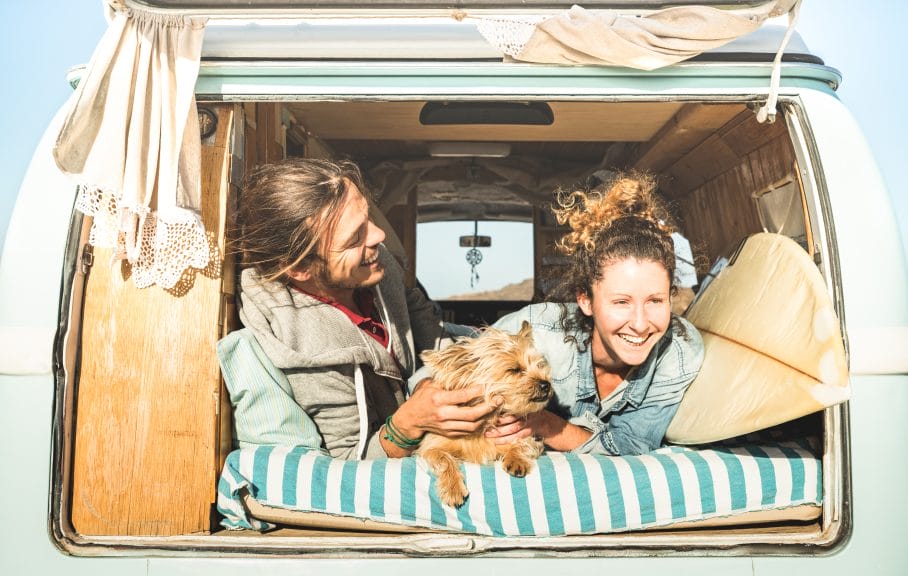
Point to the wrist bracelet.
(398, 438)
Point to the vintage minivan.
(119, 435)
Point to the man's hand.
(451, 413)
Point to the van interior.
(146, 421)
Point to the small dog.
(509, 367)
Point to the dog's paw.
(452, 490)
(516, 464)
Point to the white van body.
(364, 60)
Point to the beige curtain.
(131, 140)
(645, 42)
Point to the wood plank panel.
(264, 124)
(149, 390)
(710, 158)
(220, 172)
(719, 152)
(721, 212)
(687, 129)
(574, 122)
(401, 238)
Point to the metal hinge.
(87, 259)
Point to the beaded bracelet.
(398, 438)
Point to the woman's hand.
(510, 429)
(449, 413)
(556, 432)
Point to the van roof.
(264, 6)
(448, 29)
(421, 39)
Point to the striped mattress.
(564, 494)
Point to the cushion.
(773, 348)
(264, 410)
(564, 494)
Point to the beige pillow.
(773, 347)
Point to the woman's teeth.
(370, 261)
(633, 340)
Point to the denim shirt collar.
(638, 379)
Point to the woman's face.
(631, 310)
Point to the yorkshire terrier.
(510, 368)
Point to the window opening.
(447, 272)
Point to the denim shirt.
(637, 422)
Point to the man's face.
(350, 254)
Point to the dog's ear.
(428, 357)
(525, 330)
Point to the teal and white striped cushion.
(564, 494)
(264, 410)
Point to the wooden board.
(146, 426)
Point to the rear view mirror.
(472, 241)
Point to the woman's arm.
(556, 432)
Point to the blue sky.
(41, 40)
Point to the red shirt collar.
(369, 321)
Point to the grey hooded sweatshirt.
(342, 378)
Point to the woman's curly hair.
(619, 219)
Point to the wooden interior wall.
(401, 220)
(546, 257)
(231, 174)
(147, 430)
(263, 138)
(264, 133)
(711, 174)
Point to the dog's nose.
(545, 387)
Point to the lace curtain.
(131, 140)
(647, 42)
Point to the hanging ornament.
(474, 256)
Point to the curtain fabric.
(646, 42)
(131, 140)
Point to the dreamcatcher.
(474, 256)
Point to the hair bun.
(587, 213)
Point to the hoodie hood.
(298, 331)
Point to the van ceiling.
(388, 141)
(574, 122)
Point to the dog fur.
(509, 367)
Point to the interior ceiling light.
(470, 112)
(469, 149)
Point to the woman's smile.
(631, 310)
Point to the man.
(327, 304)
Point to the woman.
(620, 359)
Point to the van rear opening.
(146, 423)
